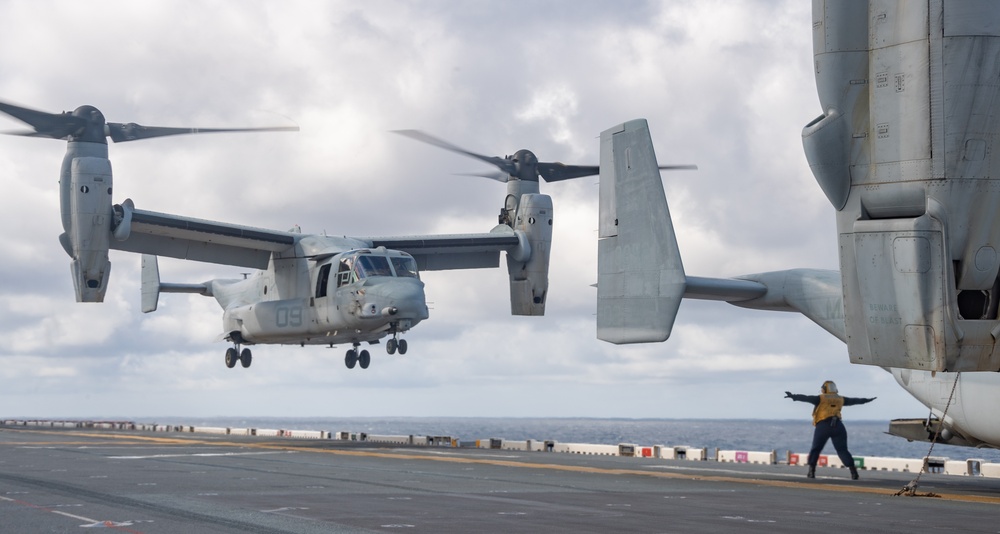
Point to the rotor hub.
(525, 165)
(93, 130)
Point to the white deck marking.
(153, 456)
(72, 516)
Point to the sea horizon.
(865, 437)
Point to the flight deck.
(65, 479)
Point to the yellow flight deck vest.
(829, 406)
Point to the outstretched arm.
(850, 401)
(811, 399)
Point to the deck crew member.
(826, 419)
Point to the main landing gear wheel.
(245, 358)
(355, 357)
(231, 357)
(394, 344)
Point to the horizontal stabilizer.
(640, 276)
(151, 285)
(725, 289)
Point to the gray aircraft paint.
(904, 152)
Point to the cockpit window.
(367, 266)
(404, 266)
(344, 272)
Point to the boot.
(854, 473)
(812, 472)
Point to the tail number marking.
(288, 316)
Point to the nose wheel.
(355, 357)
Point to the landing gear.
(233, 354)
(395, 343)
(354, 357)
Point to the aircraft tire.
(402, 346)
(351, 359)
(364, 359)
(231, 357)
(390, 346)
(245, 358)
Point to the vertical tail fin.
(640, 276)
(150, 283)
(152, 287)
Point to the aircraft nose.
(405, 297)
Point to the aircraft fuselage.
(353, 296)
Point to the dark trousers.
(833, 429)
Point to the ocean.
(865, 438)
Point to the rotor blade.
(554, 172)
(501, 177)
(53, 125)
(498, 162)
(120, 133)
(24, 133)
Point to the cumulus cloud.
(725, 85)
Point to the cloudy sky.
(724, 85)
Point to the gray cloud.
(727, 86)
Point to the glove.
(788, 395)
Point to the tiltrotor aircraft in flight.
(907, 150)
(308, 289)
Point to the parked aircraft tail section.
(640, 275)
(641, 278)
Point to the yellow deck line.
(806, 484)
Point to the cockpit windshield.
(361, 265)
(405, 266)
(367, 266)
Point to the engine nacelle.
(529, 280)
(90, 217)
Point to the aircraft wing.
(186, 238)
(454, 251)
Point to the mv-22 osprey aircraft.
(907, 151)
(309, 289)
